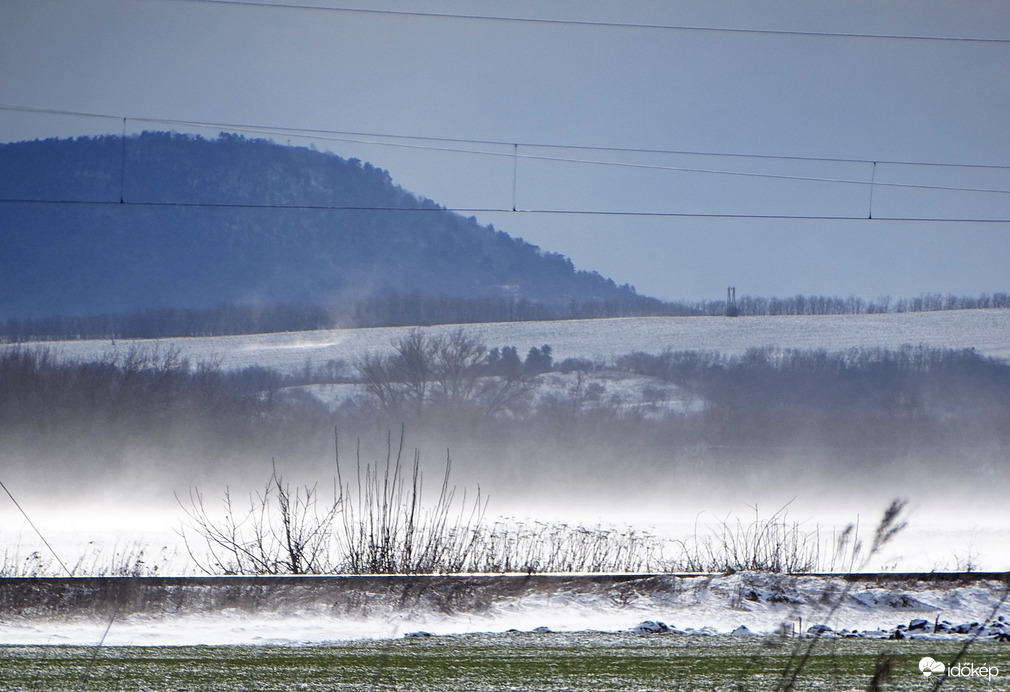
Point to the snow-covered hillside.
(987, 331)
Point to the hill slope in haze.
(210, 222)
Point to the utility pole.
(731, 309)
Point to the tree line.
(834, 305)
(417, 309)
(869, 407)
(908, 379)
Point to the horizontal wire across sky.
(645, 26)
(513, 150)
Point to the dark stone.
(650, 627)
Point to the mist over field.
(670, 426)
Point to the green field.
(518, 661)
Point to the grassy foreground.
(584, 661)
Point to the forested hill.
(234, 221)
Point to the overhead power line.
(323, 134)
(36, 529)
(510, 150)
(499, 210)
(650, 26)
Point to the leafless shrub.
(31, 565)
(764, 544)
(778, 544)
(131, 560)
(529, 547)
(380, 522)
(95, 561)
(385, 525)
(388, 529)
(283, 530)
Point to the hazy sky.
(554, 109)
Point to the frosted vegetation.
(381, 523)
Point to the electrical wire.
(500, 210)
(36, 529)
(356, 138)
(86, 673)
(515, 155)
(591, 23)
(349, 135)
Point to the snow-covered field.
(987, 331)
(602, 340)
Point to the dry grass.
(133, 560)
(776, 543)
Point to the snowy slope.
(987, 331)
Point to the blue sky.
(783, 119)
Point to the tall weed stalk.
(388, 528)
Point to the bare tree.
(402, 378)
(376, 375)
(413, 365)
(458, 357)
(455, 369)
(509, 384)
